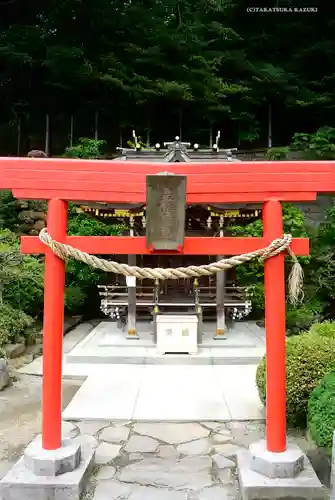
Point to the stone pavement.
(165, 461)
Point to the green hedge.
(321, 412)
(325, 329)
(309, 357)
(13, 322)
(300, 319)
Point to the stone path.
(165, 461)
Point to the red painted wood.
(124, 245)
(54, 283)
(125, 167)
(137, 181)
(88, 180)
(274, 280)
(214, 186)
(129, 198)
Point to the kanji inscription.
(166, 203)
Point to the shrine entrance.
(266, 183)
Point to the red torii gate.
(63, 180)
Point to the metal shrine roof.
(177, 151)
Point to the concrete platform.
(243, 344)
(255, 486)
(20, 483)
(167, 393)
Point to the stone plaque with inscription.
(166, 205)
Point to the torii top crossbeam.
(125, 182)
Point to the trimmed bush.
(308, 359)
(299, 319)
(74, 299)
(13, 322)
(325, 329)
(321, 412)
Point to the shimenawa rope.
(277, 246)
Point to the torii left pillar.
(54, 285)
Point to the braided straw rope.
(277, 246)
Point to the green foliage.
(206, 59)
(276, 154)
(85, 149)
(8, 213)
(309, 357)
(324, 329)
(10, 259)
(132, 145)
(321, 412)
(303, 316)
(81, 224)
(319, 145)
(13, 322)
(21, 277)
(81, 279)
(321, 267)
(74, 299)
(25, 290)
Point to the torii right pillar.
(273, 468)
(275, 325)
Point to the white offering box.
(177, 333)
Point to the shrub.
(321, 412)
(301, 318)
(308, 359)
(25, 289)
(276, 154)
(86, 148)
(13, 322)
(21, 277)
(324, 329)
(74, 299)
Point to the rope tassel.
(277, 246)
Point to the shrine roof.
(177, 151)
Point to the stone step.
(149, 356)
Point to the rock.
(166, 451)
(215, 493)
(39, 224)
(222, 437)
(22, 204)
(228, 450)
(211, 425)
(226, 477)
(105, 472)
(31, 215)
(172, 433)
(142, 444)
(14, 350)
(106, 453)
(198, 447)
(135, 456)
(69, 430)
(4, 374)
(147, 493)
(39, 216)
(222, 462)
(112, 490)
(114, 434)
(87, 443)
(191, 473)
(91, 427)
